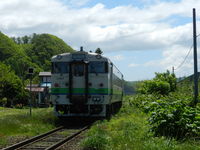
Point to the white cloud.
(119, 28)
(176, 57)
(112, 29)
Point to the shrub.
(174, 119)
(3, 101)
(156, 87)
(162, 84)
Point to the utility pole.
(173, 70)
(30, 72)
(195, 59)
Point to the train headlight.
(96, 98)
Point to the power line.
(184, 58)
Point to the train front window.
(60, 67)
(98, 67)
(78, 69)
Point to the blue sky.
(131, 63)
(141, 37)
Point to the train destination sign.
(78, 56)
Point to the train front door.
(79, 79)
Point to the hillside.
(8, 48)
(42, 47)
(130, 87)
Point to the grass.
(129, 130)
(18, 124)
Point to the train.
(85, 84)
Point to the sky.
(141, 37)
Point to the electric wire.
(179, 66)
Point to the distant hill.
(189, 78)
(30, 51)
(187, 83)
(13, 55)
(130, 87)
(43, 46)
(8, 48)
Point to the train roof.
(79, 56)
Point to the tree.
(11, 86)
(44, 46)
(19, 41)
(163, 84)
(98, 51)
(167, 77)
(25, 39)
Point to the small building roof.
(41, 74)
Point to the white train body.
(85, 84)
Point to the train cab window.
(60, 67)
(78, 69)
(98, 67)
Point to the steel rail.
(33, 139)
(67, 139)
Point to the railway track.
(48, 141)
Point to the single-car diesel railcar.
(85, 84)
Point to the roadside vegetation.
(17, 124)
(160, 117)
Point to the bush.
(156, 87)
(174, 119)
(3, 101)
(162, 84)
(11, 86)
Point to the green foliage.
(8, 48)
(174, 119)
(98, 51)
(20, 65)
(162, 84)
(14, 55)
(129, 130)
(97, 139)
(156, 87)
(11, 86)
(3, 101)
(170, 116)
(44, 46)
(167, 77)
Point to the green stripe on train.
(80, 90)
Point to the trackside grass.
(17, 124)
(129, 130)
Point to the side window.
(98, 67)
(60, 67)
